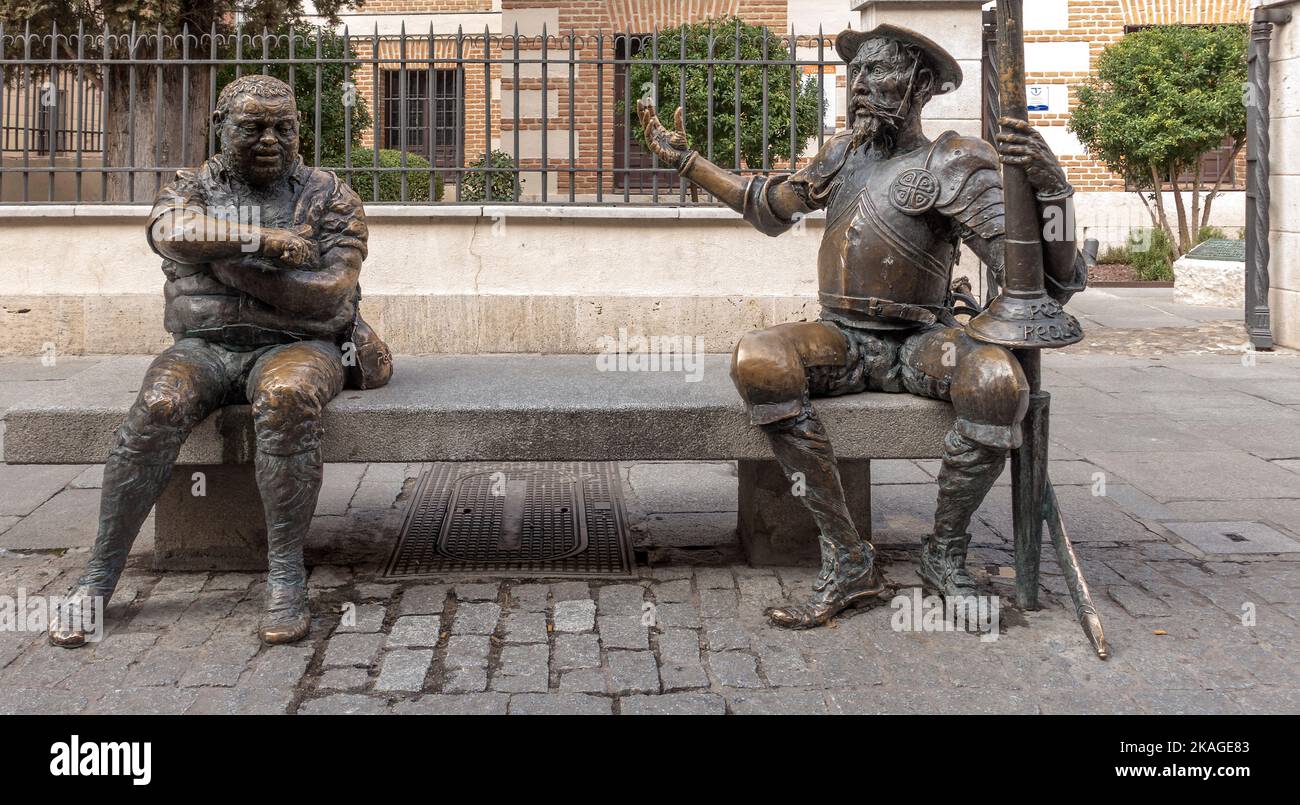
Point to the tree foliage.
(1161, 99)
(717, 40)
(335, 98)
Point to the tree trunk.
(149, 127)
(1180, 206)
(1159, 198)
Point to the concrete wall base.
(225, 529)
(776, 528)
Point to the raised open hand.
(669, 146)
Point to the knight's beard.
(874, 129)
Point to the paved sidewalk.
(1177, 462)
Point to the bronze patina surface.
(261, 255)
(898, 206)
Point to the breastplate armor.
(886, 256)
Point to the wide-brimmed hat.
(947, 71)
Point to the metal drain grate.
(515, 519)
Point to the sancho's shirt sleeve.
(185, 191)
(811, 185)
(343, 221)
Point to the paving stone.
(673, 592)
(525, 627)
(343, 679)
(718, 603)
(372, 591)
(467, 651)
(584, 680)
(575, 615)
(145, 701)
(16, 701)
(425, 599)
(714, 578)
(65, 520)
(23, 488)
(571, 591)
(238, 582)
(475, 619)
(1181, 703)
(1136, 602)
(90, 478)
(415, 630)
(353, 649)
(404, 669)
(732, 669)
(338, 485)
(725, 634)
(1235, 537)
(523, 669)
(576, 651)
(632, 672)
(476, 592)
(560, 704)
(530, 597)
(343, 704)
(329, 577)
(470, 704)
(242, 701)
(465, 680)
(671, 616)
(783, 665)
(159, 666)
(621, 599)
(786, 702)
(673, 704)
(363, 618)
(623, 631)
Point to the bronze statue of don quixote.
(897, 207)
(267, 313)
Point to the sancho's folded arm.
(184, 230)
(771, 204)
(315, 289)
(971, 195)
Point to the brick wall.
(1100, 23)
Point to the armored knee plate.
(768, 367)
(990, 395)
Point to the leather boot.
(131, 487)
(289, 486)
(969, 471)
(848, 573)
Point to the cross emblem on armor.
(914, 191)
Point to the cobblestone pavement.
(1178, 471)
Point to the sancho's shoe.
(76, 616)
(833, 593)
(288, 617)
(943, 566)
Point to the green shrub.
(503, 179)
(1115, 256)
(1210, 233)
(1153, 255)
(390, 182)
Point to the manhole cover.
(515, 519)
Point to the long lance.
(1026, 319)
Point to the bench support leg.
(222, 529)
(776, 528)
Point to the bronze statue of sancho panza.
(262, 312)
(897, 207)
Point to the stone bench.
(481, 408)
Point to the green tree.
(334, 99)
(716, 39)
(1161, 99)
(169, 106)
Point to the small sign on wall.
(1038, 97)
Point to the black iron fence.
(108, 117)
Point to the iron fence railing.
(486, 118)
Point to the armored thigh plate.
(990, 395)
(768, 366)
